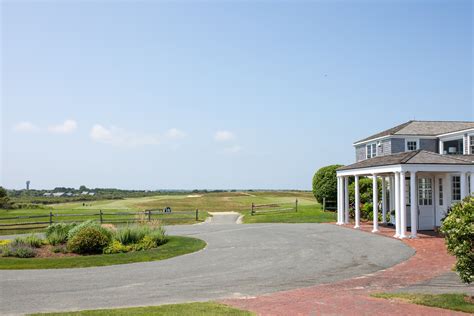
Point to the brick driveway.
(352, 296)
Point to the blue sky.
(234, 94)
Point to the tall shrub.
(325, 183)
(458, 228)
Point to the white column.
(384, 201)
(339, 201)
(472, 183)
(357, 202)
(403, 207)
(441, 147)
(375, 198)
(463, 185)
(397, 205)
(346, 200)
(414, 205)
(392, 193)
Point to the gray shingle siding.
(360, 152)
(429, 145)
(397, 145)
(386, 148)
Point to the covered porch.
(417, 189)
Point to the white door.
(426, 217)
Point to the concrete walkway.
(352, 296)
(240, 261)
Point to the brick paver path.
(352, 296)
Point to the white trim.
(407, 167)
(449, 138)
(469, 151)
(452, 133)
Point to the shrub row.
(88, 238)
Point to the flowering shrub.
(458, 229)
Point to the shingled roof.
(412, 157)
(423, 128)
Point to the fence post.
(149, 215)
(252, 212)
(50, 218)
(197, 215)
(324, 204)
(100, 216)
(296, 205)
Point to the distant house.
(69, 194)
(58, 194)
(92, 193)
(424, 167)
(84, 193)
(47, 194)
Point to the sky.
(218, 94)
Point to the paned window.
(425, 191)
(456, 188)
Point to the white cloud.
(233, 149)
(120, 137)
(67, 126)
(223, 136)
(175, 133)
(25, 127)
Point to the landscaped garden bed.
(91, 244)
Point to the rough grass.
(455, 302)
(176, 246)
(188, 309)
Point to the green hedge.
(325, 183)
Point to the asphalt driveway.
(239, 261)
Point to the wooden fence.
(40, 221)
(329, 205)
(272, 208)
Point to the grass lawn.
(194, 309)
(455, 302)
(309, 213)
(176, 246)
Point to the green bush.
(31, 240)
(458, 229)
(116, 247)
(89, 240)
(89, 223)
(58, 233)
(325, 183)
(365, 191)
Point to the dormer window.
(371, 150)
(412, 144)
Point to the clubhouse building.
(423, 166)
